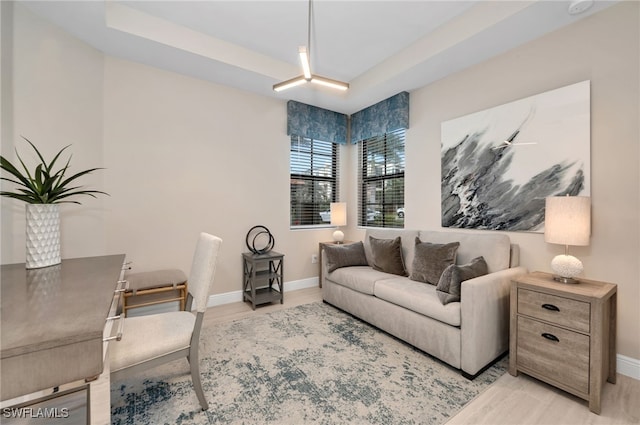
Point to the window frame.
(389, 217)
(333, 181)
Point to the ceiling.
(379, 47)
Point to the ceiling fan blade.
(328, 82)
(307, 76)
(304, 60)
(289, 83)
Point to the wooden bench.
(155, 287)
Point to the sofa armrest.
(323, 268)
(484, 325)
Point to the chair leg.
(194, 364)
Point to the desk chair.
(149, 341)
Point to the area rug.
(310, 364)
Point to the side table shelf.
(263, 278)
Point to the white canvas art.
(499, 165)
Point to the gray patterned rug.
(310, 364)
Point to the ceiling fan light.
(304, 60)
(289, 83)
(328, 82)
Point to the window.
(381, 187)
(314, 180)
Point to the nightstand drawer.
(558, 310)
(555, 353)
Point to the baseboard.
(628, 366)
(236, 296)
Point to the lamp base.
(568, 280)
(566, 268)
(338, 236)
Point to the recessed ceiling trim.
(478, 18)
(134, 22)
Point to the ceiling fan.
(510, 142)
(307, 76)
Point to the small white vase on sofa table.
(43, 235)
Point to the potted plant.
(43, 189)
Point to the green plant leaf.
(45, 186)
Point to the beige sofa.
(468, 335)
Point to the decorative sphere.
(566, 265)
(338, 236)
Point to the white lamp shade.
(338, 213)
(567, 220)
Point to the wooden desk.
(53, 320)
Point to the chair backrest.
(203, 269)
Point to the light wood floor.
(510, 400)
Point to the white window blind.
(381, 181)
(314, 181)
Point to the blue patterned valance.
(316, 123)
(383, 117)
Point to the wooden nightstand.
(564, 334)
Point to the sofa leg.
(469, 377)
(472, 377)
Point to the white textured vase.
(43, 235)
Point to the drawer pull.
(118, 335)
(123, 288)
(123, 285)
(550, 307)
(550, 337)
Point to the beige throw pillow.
(431, 259)
(387, 255)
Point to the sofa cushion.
(406, 237)
(448, 288)
(344, 255)
(494, 247)
(431, 260)
(387, 255)
(417, 297)
(359, 278)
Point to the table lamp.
(567, 222)
(338, 218)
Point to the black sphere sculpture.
(256, 232)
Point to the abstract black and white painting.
(499, 165)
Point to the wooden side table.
(321, 246)
(263, 276)
(564, 334)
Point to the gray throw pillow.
(449, 286)
(344, 256)
(431, 259)
(387, 255)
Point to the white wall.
(184, 156)
(603, 48)
(54, 99)
(170, 144)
